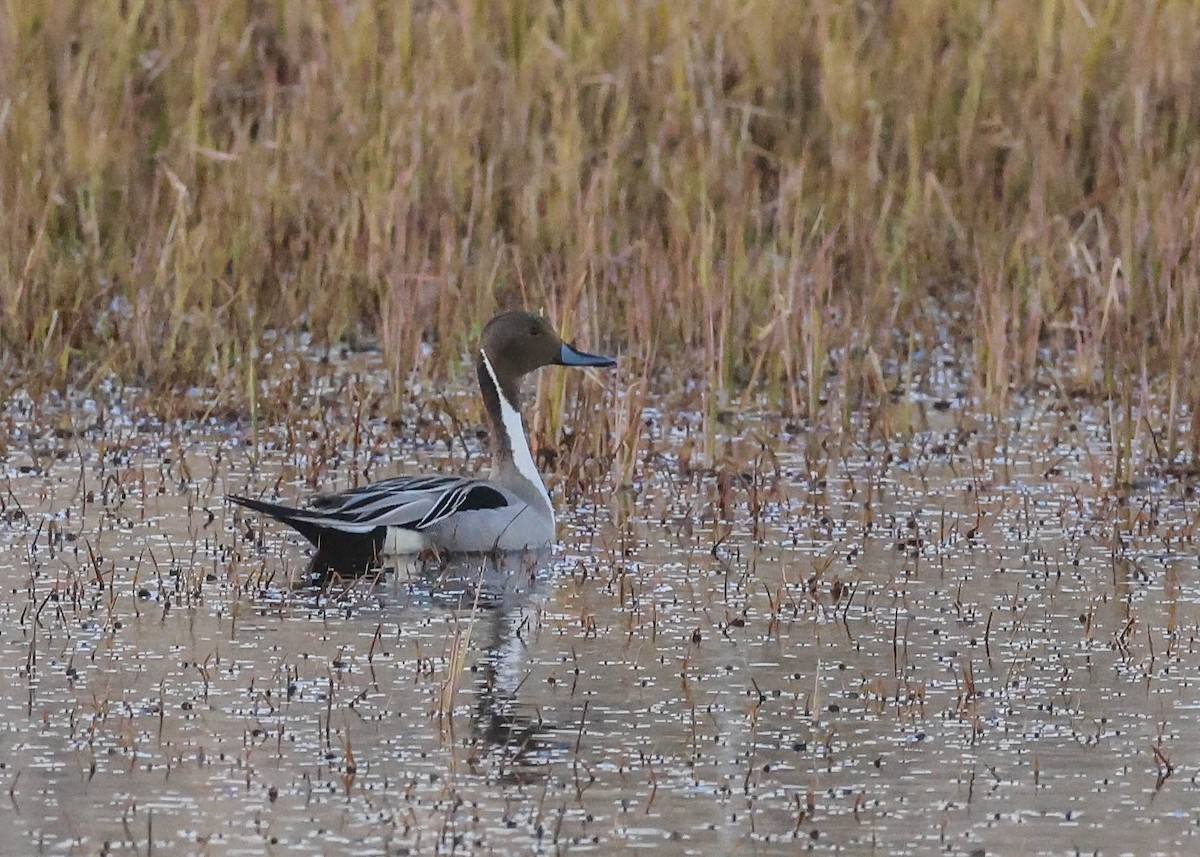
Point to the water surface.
(962, 639)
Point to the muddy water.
(961, 640)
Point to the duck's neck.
(511, 458)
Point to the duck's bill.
(571, 356)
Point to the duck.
(447, 514)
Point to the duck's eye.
(535, 331)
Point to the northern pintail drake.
(450, 514)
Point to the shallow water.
(962, 640)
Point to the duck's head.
(515, 343)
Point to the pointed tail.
(338, 550)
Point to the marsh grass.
(771, 197)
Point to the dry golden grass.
(762, 193)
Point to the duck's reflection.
(497, 600)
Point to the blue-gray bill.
(571, 356)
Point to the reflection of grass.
(765, 191)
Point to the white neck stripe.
(518, 445)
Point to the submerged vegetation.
(768, 195)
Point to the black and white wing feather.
(408, 502)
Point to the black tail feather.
(338, 551)
(294, 518)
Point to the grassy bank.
(763, 192)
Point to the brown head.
(514, 344)
(518, 342)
